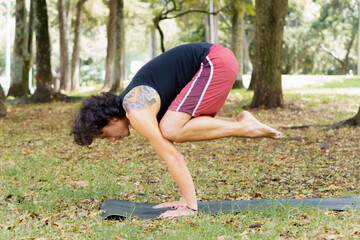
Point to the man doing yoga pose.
(173, 98)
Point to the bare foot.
(252, 128)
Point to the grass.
(351, 82)
(52, 189)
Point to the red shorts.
(206, 93)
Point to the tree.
(270, 20)
(192, 26)
(28, 48)
(239, 15)
(75, 72)
(19, 75)
(43, 55)
(119, 48)
(64, 28)
(173, 9)
(237, 42)
(351, 122)
(2, 103)
(115, 48)
(337, 27)
(299, 42)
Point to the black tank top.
(169, 72)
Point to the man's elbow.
(176, 160)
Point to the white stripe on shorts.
(207, 85)
(192, 85)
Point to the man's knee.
(172, 124)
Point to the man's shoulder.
(140, 98)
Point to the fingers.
(167, 215)
(180, 212)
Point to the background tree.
(299, 41)
(351, 122)
(118, 75)
(237, 42)
(65, 17)
(194, 27)
(325, 27)
(28, 48)
(19, 75)
(172, 9)
(337, 27)
(270, 20)
(43, 54)
(2, 102)
(75, 60)
(245, 13)
(114, 57)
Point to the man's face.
(115, 130)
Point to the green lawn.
(351, 82)
(52, 189)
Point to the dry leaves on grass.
(49, 183)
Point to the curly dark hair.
(94, 114)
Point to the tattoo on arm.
(139, 98)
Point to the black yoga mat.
(119, 209)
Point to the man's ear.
(113, 120)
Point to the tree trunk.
(251, 86)
(207, 28)
(152, 44)
(28, 56)
(351, 122)
(75, 61)
(247, 61)
(270, 20)
(345, 67)
(118, 73)
(43, 53)
(237, 43)
(65, 72)
(2, 103)
(110, 56)
(19, 82)
(156, 22)
(216, 25)
(249, 40)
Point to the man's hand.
(179, 212)
(172, 205)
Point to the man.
(173, 98)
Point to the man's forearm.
(180, 173)
(167, 151)
(177, 168)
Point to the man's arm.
(141, 105)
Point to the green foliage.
(310, 24)
(2, 62)
(94, 12)
(299, 46)
(192, 25)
